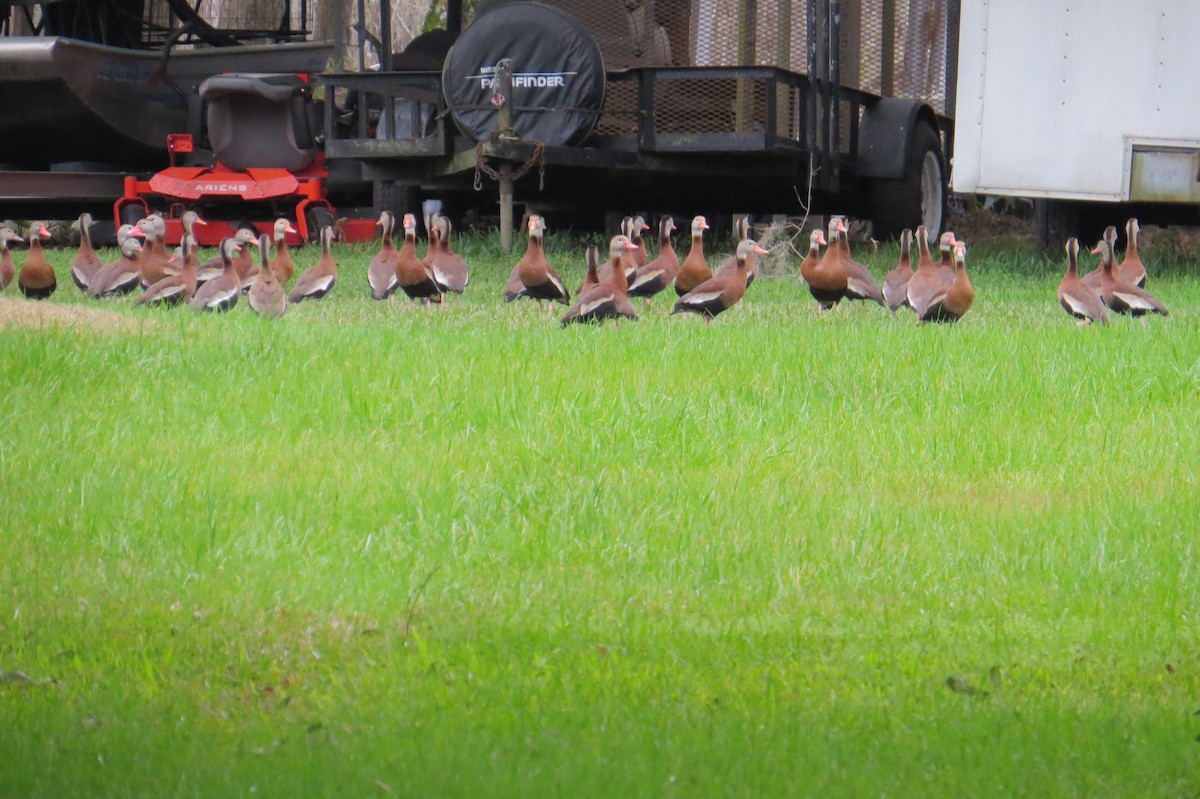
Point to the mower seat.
(257, 120)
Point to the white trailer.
(1080, 103)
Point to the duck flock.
(935, 291)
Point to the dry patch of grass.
(17, 313)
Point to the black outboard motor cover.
(558, 74)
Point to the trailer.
(1082, 106)
(762, 106)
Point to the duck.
(318, 280)
(37, 280)
(824, 274)
(266, 297)
(742, 229)
(694, 270)
(243, 261)
(381, 272)
(418, 280)
(1119, 296)
(154, 258)
(1092, 278)
(638, 255)
(1076, 298)
(925, 281)
(719, 294)
(176, 288)
(221, 293)
(1131, 269)
(451, 265)
(895, 283)
(514, 288)
(281, 262)
(607, 299)
(659, 273)
(538, 278)
(860, 283)
(628, 263)
(86, 262)
(592, 276)
(188, 222)
(433, 242)
(945, 266)
(8, 267)
(123, 275)
(954, 300)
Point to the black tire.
(397, 198)
(131, 213)
(917, 198)
(317, 218)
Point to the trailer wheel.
(396, 197)
(918, 198)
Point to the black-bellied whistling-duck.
(860, 283)
(742, 229)
(381, 272)
(1131, 269)
(8, 267)
(281, 261)
(609, 298)
(36, 280)
(592, 276)
(222, 292)
(895, 284)
(1077, 299)
(418, 280)
(154, 253)
(266, 297)
(177, 288)
(318, 280)
(629, 228)
(433, 238)
(656, 275)
(953, 300)
(188, 222)
(514, 288)
(243, 260)
(1119, 296)
(123, 275)
(447, 262)
(925, 282)
(1092, 278)
(86, 263)
(719, 294)
(540, 280)
(694, 270)
(824, 274)
(636, 225)
(945, 266)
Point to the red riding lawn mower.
(266, 162)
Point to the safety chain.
(481, 167)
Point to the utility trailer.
(705, 106)
(1085, 107)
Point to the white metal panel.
(1049, 95)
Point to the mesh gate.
(896, 48)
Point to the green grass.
(372, 549)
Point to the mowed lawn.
(373, 549)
